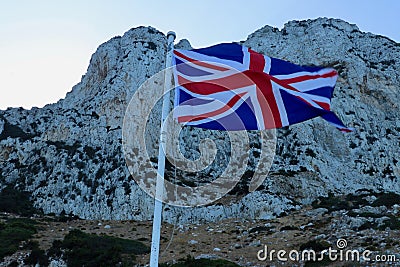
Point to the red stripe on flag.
(257, 61)
(281, 83)
(266, 99)
(309, 77)
(200, 63)
(323, 105)
(206, 87)
(226, 107)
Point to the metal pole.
(155, 239)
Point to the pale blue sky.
(46, 45)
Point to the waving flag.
(231, 87)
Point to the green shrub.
(37, 255)
(191, 262)
(393, 223)
(15, 201)
(331, 202)
(13, 131)
(13, 232)
(386, 199)
(334, 203)
(82, 249)
(316, 245)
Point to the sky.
(46, 45)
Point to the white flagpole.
(155, 239)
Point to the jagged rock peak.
(296, 25)
(322, 22)
(184, 44)
(113, 57)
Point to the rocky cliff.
(68, 155)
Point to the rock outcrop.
(69, 154)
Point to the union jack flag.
(231, 87)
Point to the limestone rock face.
(366, 98)
(69, 154)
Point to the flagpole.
(155, 239)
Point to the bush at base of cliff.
(191, 262)
(17, 202)
(82, 249)
(13, 232)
